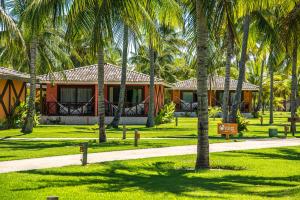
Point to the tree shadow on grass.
(286, 154)
(163, 177)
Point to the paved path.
(59, 161)
(61, 139)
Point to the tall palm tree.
(242, 64)
(202, 40)
(226, 10)
(290, 31)
(162, 13)
(96, 19)
(116, 119)
(40, 42)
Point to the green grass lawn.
(185, 132)
(253, 174)
(187, 128)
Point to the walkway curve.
(60, 161)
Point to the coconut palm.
(290, 30)
(117, 116)
(41, 43)
(161, 13)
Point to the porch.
(81, 100)
(186, 101)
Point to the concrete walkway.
(59, 161)
(61, 139)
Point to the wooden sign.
(227, 129)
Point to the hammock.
(137, 109)
(186, 106)
(75, 110)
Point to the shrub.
(214, 111)
(166, 114)
(17, 119)
(242, 122)
(298, 112)
(3, 124)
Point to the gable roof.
(217, 83)
(89, 74)
(6, 73)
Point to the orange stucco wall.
(248, 100)
(51, 96)
(9, 96)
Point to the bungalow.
(12, 91)
(184, 94)
(72, 95)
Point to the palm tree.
(162, 13)
(96, 19)
(226, 10)
(39, 41)
(116, 120)
(202, 40)
(290, 31)
(242, 64)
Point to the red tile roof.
(217, 83)
(89, 74)
(6, 73)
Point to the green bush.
(298, 112)
(242, 122)
(17, 119)
(166, 114)
(213, 112)
(3, 124)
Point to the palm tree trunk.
(202, 67)
(150, 119)
(225, 106)
(259, 103)
(101, 106)
(271, 71)
(242, 68)
(116, 120)
(29, 120)
(294, 85)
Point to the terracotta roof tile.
(6, 73)
(112, 73)
(217, 83)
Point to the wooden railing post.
(136, 137)
(124, 132)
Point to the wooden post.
(176, 121)
(261, 120)
(136, 137)
(41, 99)
(227, 136)
(52, 198)
(124, 132)
(84, 150)
(286, 129)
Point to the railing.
(130, 109)
(68, 109)
(186, 107)
(193, 106)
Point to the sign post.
(227, 129)
(137, 136)
(84, 150)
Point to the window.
(134, 95)
(219, 97)
(75, 95)
(187, 97)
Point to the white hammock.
(74, 111)
(186, 105)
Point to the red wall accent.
(96, 99)
(51, 96)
